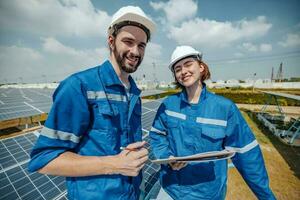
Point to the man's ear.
(111, 41)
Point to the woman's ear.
(201, 67)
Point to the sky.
(46, 41)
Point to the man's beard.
(121, 60)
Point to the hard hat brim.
(135, 18)
(182, 57)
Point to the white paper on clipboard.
(200, 157)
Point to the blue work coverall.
(213, 124)
(92, 116)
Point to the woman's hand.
(177, 165)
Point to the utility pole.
(154, 74)
(272, 75)
(253, 82)
(21, 79)
(280, 73)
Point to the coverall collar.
(184, 96)
(109, 78)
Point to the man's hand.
(130, 162)
(177, 165)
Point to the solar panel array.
(17, 183)
(16, 103)
(25, 102)
(150, 173)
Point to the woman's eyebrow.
(187, 62)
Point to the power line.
(252, 58)
(257, 58)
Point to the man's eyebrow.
(143, 43)
(132, 39)
(127, 38)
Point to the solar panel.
(151, 170)
(150, 175)
(152, 105)
(17, 183)
(15, 150)
(17, 103)
(25, 102)
(151, 92)
(289, 96)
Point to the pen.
(129, 149)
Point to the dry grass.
(283, 166)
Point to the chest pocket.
(136, 123)
(174, 135)
(137, 113)
(212, 137)
(106, 116)
(172, 123)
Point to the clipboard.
(200, 157)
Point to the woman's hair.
(205, 75)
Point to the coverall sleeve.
(248, 159)
(67, 121)
(158, 135)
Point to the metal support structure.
(282, 114)
(293, 131)
(279, 108)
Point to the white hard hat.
(132, 14)
(182, 52)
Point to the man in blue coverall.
(96, 112)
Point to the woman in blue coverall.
(196, 121)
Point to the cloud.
(176, 10)
(55, 60)
(238, 54)
(248, 46)
(210, 33)
(232, 61)
(265, 47)
(16, 61)
(153, 50)
(152, 64)
(73, 58)
(152, 55)
(54, 18)
(291, 40)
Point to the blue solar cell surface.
(24, 102)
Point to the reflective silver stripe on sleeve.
(59, 135)
(175, 114)
(158, 131)
(211, 121)
(244, 149)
